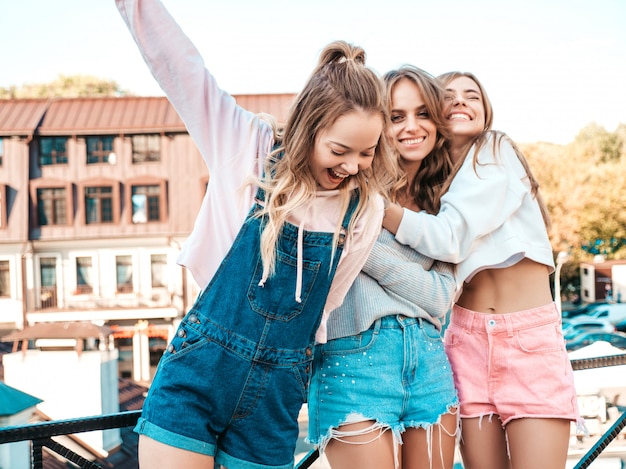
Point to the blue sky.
(550, 66)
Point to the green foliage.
(584, 186)
(74, 86)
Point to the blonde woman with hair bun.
(288, 219)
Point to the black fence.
(40, 434)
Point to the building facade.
(97, 196)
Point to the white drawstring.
(299, 263)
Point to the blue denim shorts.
(396, 373)
(211, 397)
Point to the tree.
(65, 86)
(584, 186)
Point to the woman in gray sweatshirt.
(382, 393)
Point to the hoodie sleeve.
(220, 128)
(479, 201)
(352, 261)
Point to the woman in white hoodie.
(286, 225)
(504, 342)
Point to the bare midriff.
(522, 286)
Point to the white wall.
(71, 385)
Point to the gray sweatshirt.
(396, 279)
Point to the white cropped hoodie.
(488, 218)
(233, 143)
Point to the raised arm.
(216, 123)
(479, 200)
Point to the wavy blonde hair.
(426, 187)
(481, 139)
(340, 84)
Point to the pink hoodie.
(233, 143)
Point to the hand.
(393, 217)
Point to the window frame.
(101, 154)
(145, 155)
(8, 269)
(162, 202)
(54, 157)
(115, 200)
(39, 184)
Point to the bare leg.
(483, 444)
(416, 448)
(373, 449)
(156, 455)
(537, 443)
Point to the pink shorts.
(513, 365)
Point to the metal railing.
(40, 434)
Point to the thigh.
(538, 442)
(483, 443)
(153, 453)
(364, 445)
(431, 448)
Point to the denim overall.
(232, 381)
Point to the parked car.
(584, 309)
(612, 312)
(616, 339)
(585, 324)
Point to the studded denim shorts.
(396, 374)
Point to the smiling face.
(345, 148)
(412, 130)
(464, 109)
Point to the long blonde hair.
(426, 187)
(341, 83)
(481, 139)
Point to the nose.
(411, 123)
(350, 165)
(457, 100)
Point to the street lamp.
(561, 258)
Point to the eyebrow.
(468, 90)
(348, 148)
(418, 108)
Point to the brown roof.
(275, 104)
(21, 116)
(90, 116)
(113, 115)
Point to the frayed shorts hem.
(572, 418)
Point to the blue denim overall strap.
(268, 315)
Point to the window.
(52, 206)
(52, 150)
(48, 275)
(124, 274)
(146, 148)
(5, 279)
(99, 149)
(146, 202)
(98, 204)
(3, 204)
(158, 267)
(84, 275)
